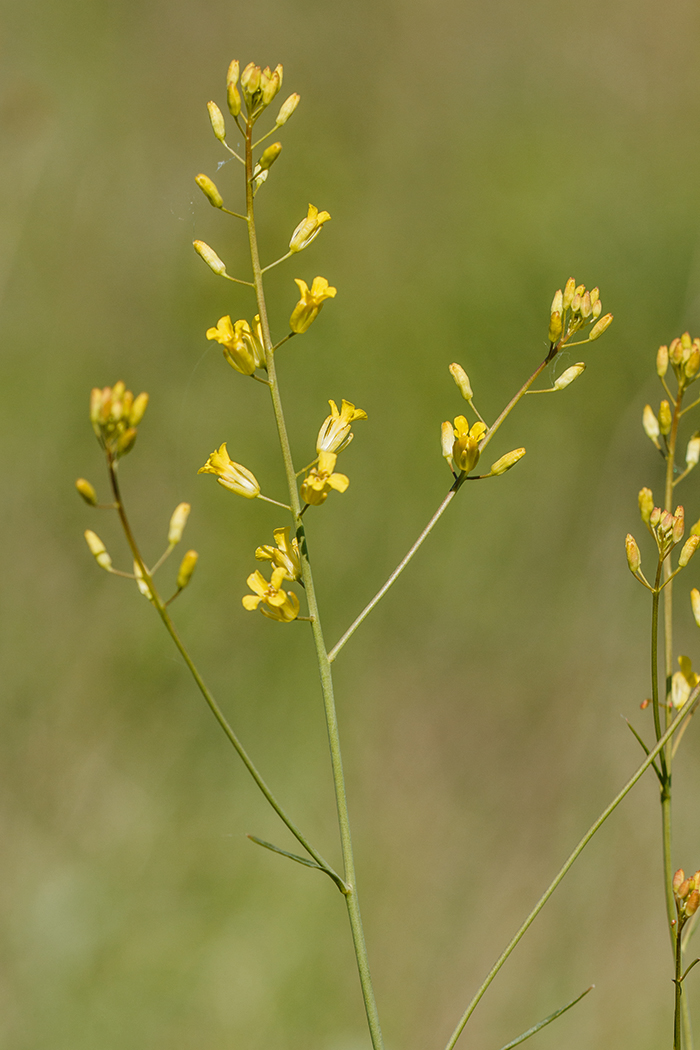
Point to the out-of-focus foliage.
(473, 156)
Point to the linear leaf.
(546, 1021)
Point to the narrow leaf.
(644, 747)
(547, 1020)
(284, 853)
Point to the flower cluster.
(686, 893)
(572, 310)
(684, 357)
(115, 414)
(668, 530)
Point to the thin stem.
(678, 982)
(214, 707)
(277, 262)
(667, 755)
(275, 501)
(164, 556)
(284, 340)
(695, 695)
(323, 662)
(395, 574)
(236, 214)
(234, 154)
(237, 280)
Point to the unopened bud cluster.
(686, 893)
(115, 414)
(572, 310)
(666, 528)
(683, 355)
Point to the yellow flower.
(321, 479)
(273, 601)
(465, 450)
(335, 434)
(242, 346)
(683, 682)
(284, 556)
(308, 228)
(311, 301)
(231, 475)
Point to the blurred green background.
(473, 156)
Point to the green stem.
(351, 897)
(685, 712)
(678, 982)
(667, 756)
(214, 707)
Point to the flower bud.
(98, 550)
(651, 425)
(210, 191)
(569, 375)
(210, 257)
(447, 439)
(462, 380)
(177, 523)
(506, 462)
(600, 326)
(270, 83)
(86, 490)
(141, 583)
(555, 327)
(655, 517)
(675, 352)
(691, 905)
(692, 453)
(569, 292)
(218, 125)
(138, 409)
(586, 305)
(250, 78)
(678, 878)
(678, 524)
(665, 418)
(270, 156)
(695, 604)
(125, 441)
(233, 99)
(557, 306)
(187, 567)
(688, 550)
(634, 558)
(287, 109)
(692, 365)
(662, 361)
(646, 504)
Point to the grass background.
(473, 156)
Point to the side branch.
(687, 710)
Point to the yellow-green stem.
(323, 662)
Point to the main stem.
(321, 653)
